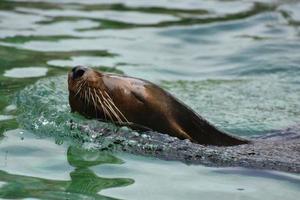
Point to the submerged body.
(139, 103)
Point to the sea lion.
(140, 104)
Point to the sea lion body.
(127, 100)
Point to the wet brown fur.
(127, 100)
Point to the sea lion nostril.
(78, 71)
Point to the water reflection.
(84, 183)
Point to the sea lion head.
(83, 77)
(90, 96)
(86, 91)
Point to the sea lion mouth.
(89, 97)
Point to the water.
(234, 62)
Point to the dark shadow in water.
(84, 182)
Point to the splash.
(44, 110)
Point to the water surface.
(234, 62)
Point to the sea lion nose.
(78, 71)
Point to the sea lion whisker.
(85, 97)
(102, 106)
(116, 108)
(89, 95)
(79, 89)
(80, 95)
(113, 112)
(105, 111)
(94, 102)
(106, 103)
(108, 113)
(85, 92)
(111, 101)
(79, 86)
(111, 108)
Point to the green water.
(234, 62)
